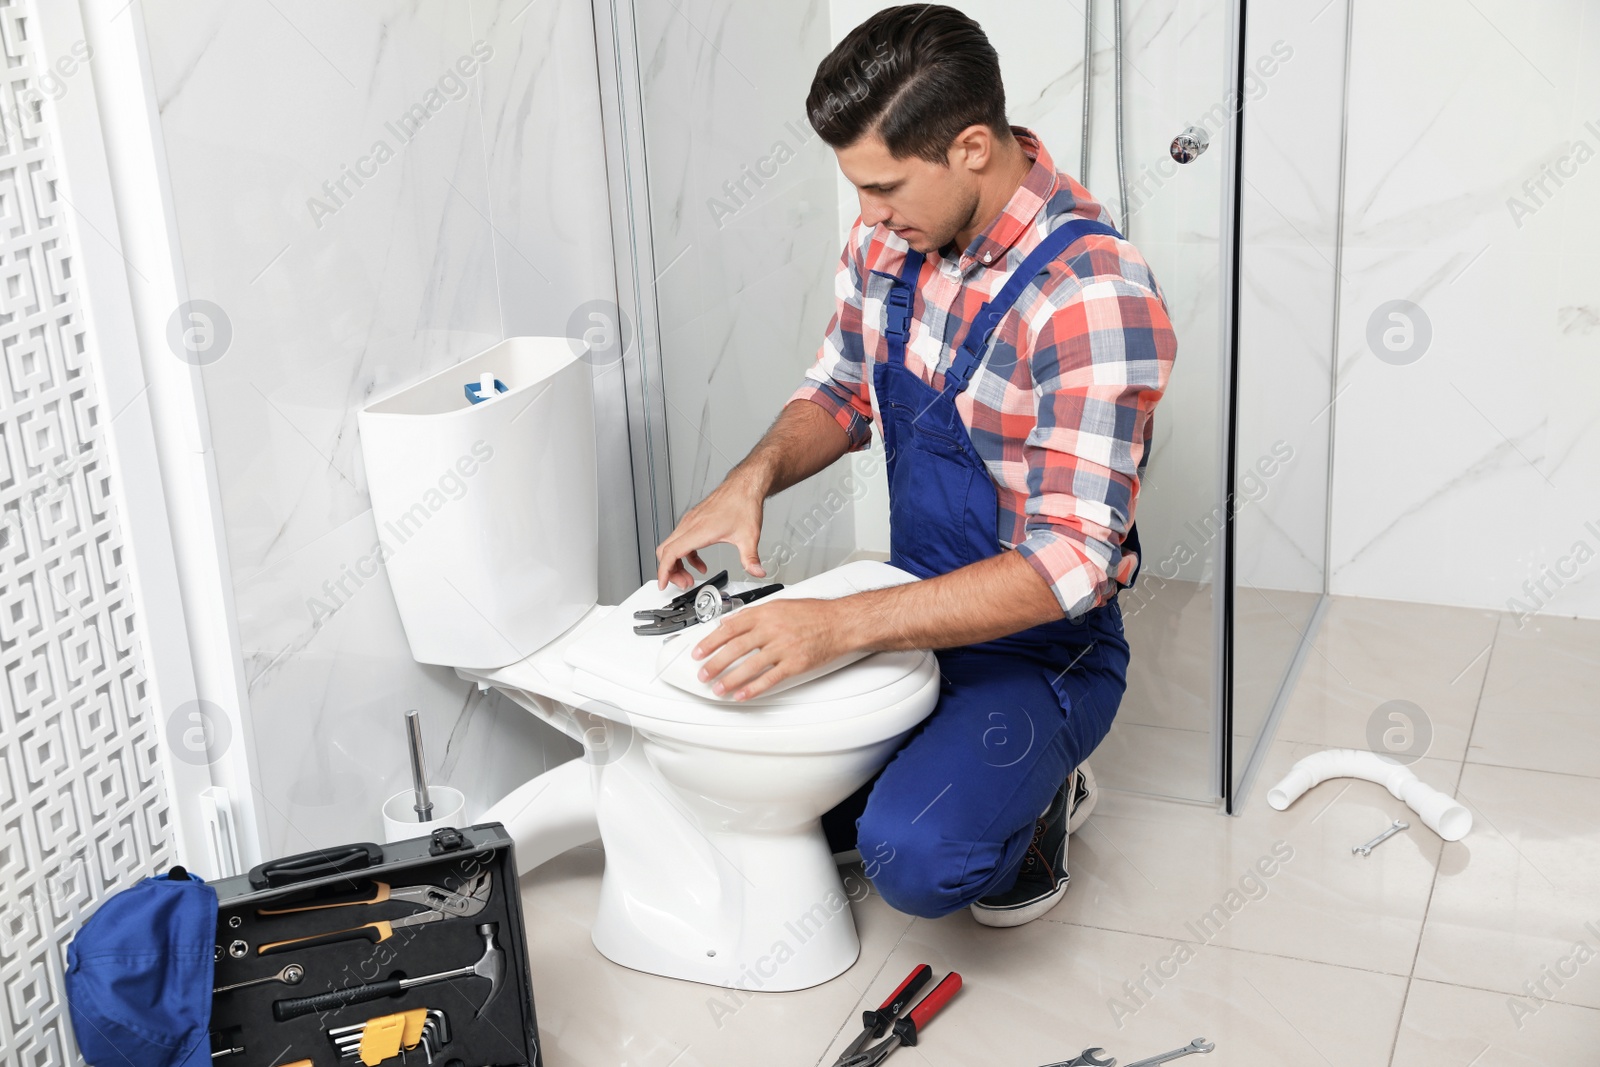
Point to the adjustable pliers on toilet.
(703, 603)
(875, 1023)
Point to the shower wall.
(1175, 73)
(370, 193)
(1468, 439)
(1288, 288)
(742, 204)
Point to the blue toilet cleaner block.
(476, 391)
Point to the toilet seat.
(601, 661)
(796, 727)
(861, 700)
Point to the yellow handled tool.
(377, 933)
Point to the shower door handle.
(1188, 145)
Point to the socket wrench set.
(408, 953)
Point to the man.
(1015, 446)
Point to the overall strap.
(988, 317)
(897, 329)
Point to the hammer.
(492, 966)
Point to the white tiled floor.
(1415, 957)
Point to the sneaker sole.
(1022, 914)
(1085, 808)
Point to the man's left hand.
(784, 638)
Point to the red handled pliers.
(875, 1023)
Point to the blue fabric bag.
(139, 975)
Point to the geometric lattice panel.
(83, 812)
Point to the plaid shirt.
(1060, 410)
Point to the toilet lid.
(614, 665)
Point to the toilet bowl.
(708, 811)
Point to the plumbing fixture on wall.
(1088, 97)
(1088, 88)
(1190, 144)
(1122, 176)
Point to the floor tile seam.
(1400, 1019)
(1422, 932)
(848, 1019)
(1157, 726)
(1433, 884)
(1185, 801)
(1134, 724)
(1228, 948)
(1528, 770)
(1483, 685)
(1502, 992)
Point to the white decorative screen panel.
(83, 810)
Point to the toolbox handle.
(316, 864)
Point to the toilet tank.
(488, 513)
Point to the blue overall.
(950, 817)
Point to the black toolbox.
(339, 915)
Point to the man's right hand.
(802, 441)
(731, 515)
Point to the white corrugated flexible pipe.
(1439, 813)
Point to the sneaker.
(1084, 795)
(1042, 879)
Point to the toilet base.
(748, 911)
(778, 917)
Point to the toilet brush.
(419, 774)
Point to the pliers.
(703, 603)
(472, 899)
(875, 1023)
(466, 900)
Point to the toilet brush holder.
(400, 821)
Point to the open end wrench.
(290, 975)
(1089, 1057)
(1394, 828)
(1199, 1044)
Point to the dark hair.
(919, 74)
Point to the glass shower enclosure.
(729, 216)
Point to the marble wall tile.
(1175, 71)
(742, 204)
(1467, 472)
(486, 219)
(549, 209)
(1293, 127)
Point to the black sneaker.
(1042, 880)
(1084, 795)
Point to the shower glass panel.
(743, 217)
(746, 216)
(1293, 140)
(1176, 74)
